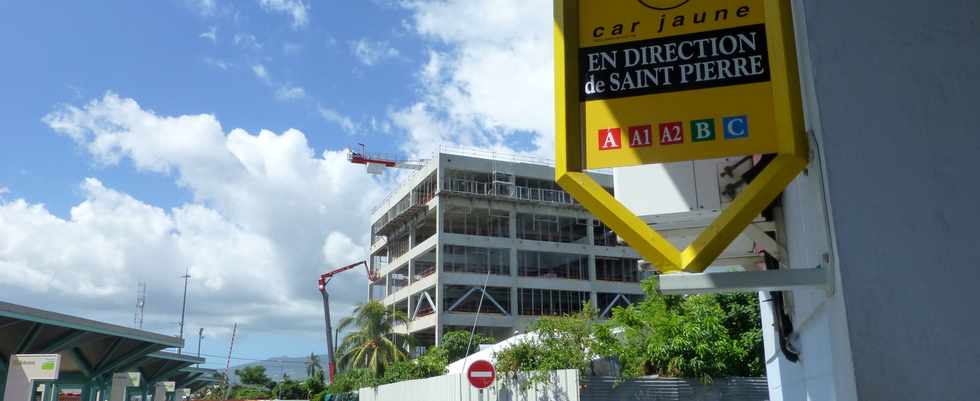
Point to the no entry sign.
(481, 374)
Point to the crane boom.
(322, 285)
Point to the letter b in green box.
(703, 130)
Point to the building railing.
(410, 177)
(509, 191)
(472, 152)
(492, 155)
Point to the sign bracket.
(746, 281)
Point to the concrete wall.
(564, 386)
(894, 102)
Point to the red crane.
(376, 163)
(324, 279)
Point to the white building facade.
(465, 222)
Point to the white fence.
(563, 386)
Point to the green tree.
(250, 393)
(217, 391)
(564, 342)
(314, 382)
(372, 344)
(455, 343)
(432, 363)
(313, 365)
(700, 336)
(253, 376)
(289, 389)
(351, 380)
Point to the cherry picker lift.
(324, 279)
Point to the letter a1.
(610, 138)
(640, 136)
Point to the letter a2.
(610, 138)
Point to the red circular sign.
(481, 374)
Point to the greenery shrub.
(699, 336)
(564, 342)
(250, 393)
(455, 343)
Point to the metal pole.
(200, 336)
(183, 306)
(331, 364)
(234, 331)
(282, 375)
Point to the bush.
(432, 363)
(251, 393)
(352, 380)
(564, 342)
(699, 336)
(455, 343)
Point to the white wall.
(563, 387)
(894, 100)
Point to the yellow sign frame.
(791, 158)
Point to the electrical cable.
(782, 321)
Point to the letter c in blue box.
(735, 127)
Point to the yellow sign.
(656, 81)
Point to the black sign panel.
(677, 63)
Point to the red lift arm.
(324, 279)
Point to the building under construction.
(465, 222)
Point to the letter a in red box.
(610, 138)
(640, 136)
(671, 133)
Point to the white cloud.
(260, 72)
(380, 125)
(205, 8)
(211, 34)
(297, 10)
(217, 63)
(247, 41)
(290, 92)
(4, 190)
(335, 117)
(372, 52)
(491, 90)
(283, 91)
(268, 215)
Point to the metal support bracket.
(745, 281)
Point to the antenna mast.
(234, 331)
(140, 304)
(183, 306)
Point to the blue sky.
(143, 138)
(155, 51)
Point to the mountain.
(294, 367)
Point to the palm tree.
(312, 365)
(314, 381)
(373, 344)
